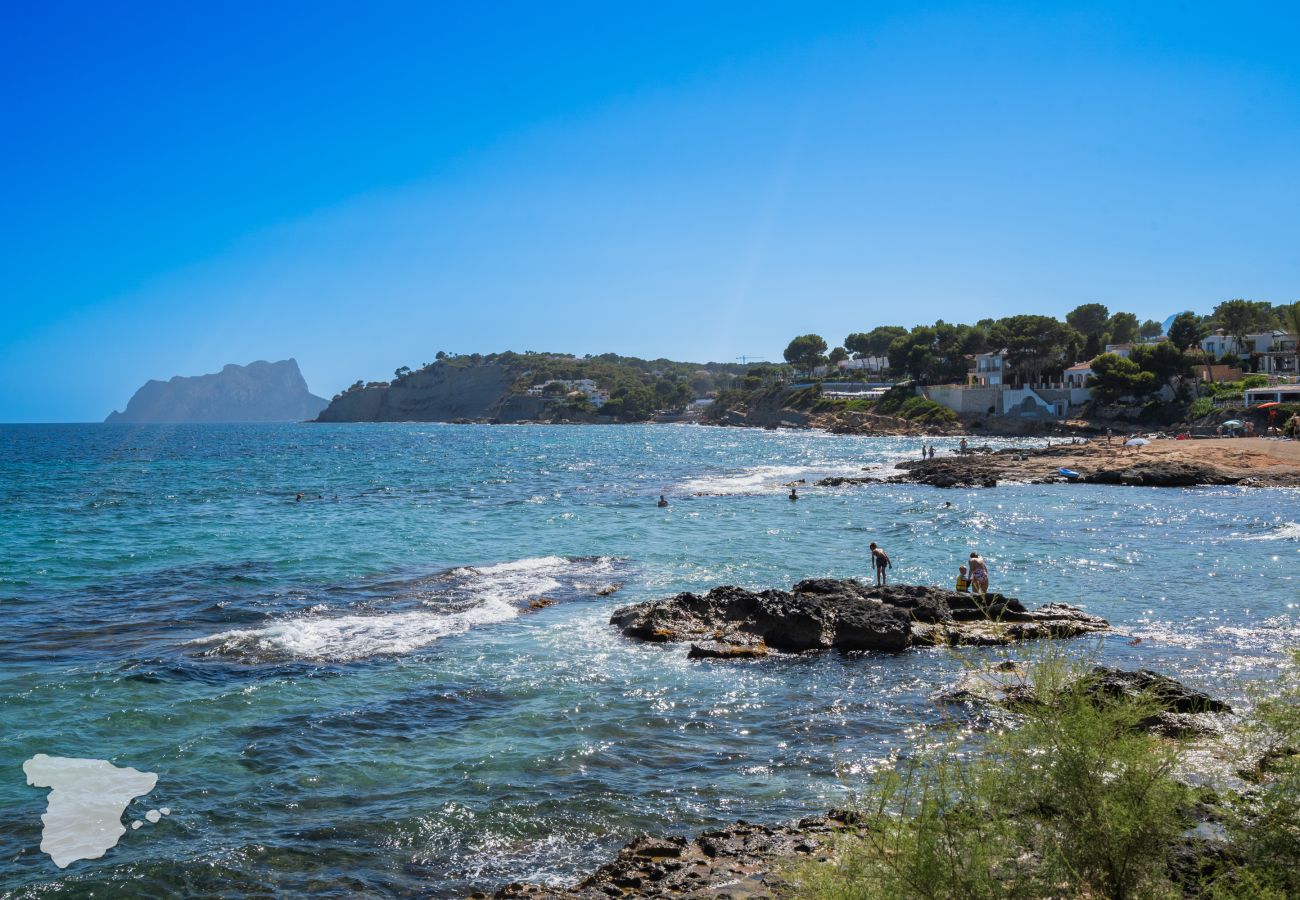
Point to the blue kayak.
(1069, 473)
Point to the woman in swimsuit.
(979, 574)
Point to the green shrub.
(1201, 408)
(927, 412)
(1076, 801)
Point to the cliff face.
(440, 393)
(258, 392)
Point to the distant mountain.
(258, 392)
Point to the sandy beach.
(1255, 462)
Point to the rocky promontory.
(843, 614)
(1253, 462)
(258, 392)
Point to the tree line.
(1039, 348)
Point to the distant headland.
(258, 392)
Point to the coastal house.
(1121, 350)
(1277, 393)
(1271, 352)
(873, 365)
(585, 386)
(988, 369)
(1077, 375)
(1277, 353)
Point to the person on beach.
(662, 501)
(932, 451)
(979, 575)
(963, 582)
(880, 562)
(961, 447)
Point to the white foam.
(344, 638)
(83, 815)
(499, 593)
(754, 480)
(1289, 531)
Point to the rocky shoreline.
(731, 622)
(1247, 462)
(748, 860)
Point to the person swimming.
(794, 495)
(663, 501)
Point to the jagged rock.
(718, 650)
(843, 614)
(1182, 711)
(258, 392)
(1163, 473)
(740, 860)
(1173, 696)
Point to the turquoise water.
(348, 694)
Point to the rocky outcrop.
(258, 392)
(741, 860)
(1042, 466)
(843, 614)
(1161, 473)
(437, 393)
(1177, 710)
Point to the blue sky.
(361, 185)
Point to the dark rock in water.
(740, 860)
(1172, 696)
(1180, 712)
(843, 614)
(715, 650)
(258, 392)
(1162, 473)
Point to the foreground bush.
(1075, 800)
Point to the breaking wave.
(416, 613)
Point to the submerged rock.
(740, 860)
(843, 614)
(1180, 711)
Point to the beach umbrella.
(1232, 423)
(1136, 442)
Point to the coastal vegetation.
(1074, 794)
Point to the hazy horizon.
(360, 191)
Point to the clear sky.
(359, 185)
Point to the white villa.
(988, 369)
(1077, 375)
(1275, 352)
(585, 386)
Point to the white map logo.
(83, 813)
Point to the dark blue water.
(350, 694)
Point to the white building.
(1278, 393)
(1274, 352)
(876, 365)
(989, 369)
(1077, 375)
(1122, 350)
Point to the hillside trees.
(807, 351)
(1238, 318)
(1114, 377)
(1034, 344)
(874, 342)
(1123, 328)
(1187, 330)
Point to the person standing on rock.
(880, 562)
(979, 575)
(963, 446)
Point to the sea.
(375, 660)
